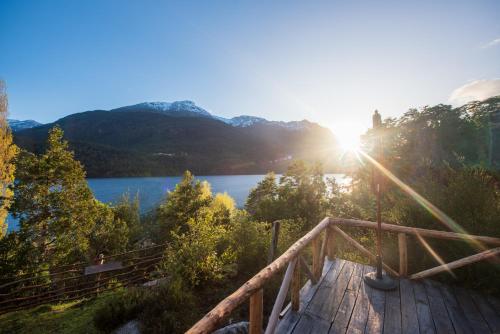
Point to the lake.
(152, 190)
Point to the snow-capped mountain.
(177, 108)
(17, 125)
(189, 108)
(242, 121)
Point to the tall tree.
(263, 202)
(182, 204)
(56, 209)
(8, 152)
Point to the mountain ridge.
(138, 143)
(182, 108)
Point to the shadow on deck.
(342, 303)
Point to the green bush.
(118, 309)
(167, 308)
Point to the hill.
(146, 141)
(17, 125)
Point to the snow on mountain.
(180, 108)
(17, 125)
(244, 121)
(189, 108)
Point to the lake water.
(152, 190)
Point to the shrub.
(118, 309)
(168, 308)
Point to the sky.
(331, 62)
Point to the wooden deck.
(342, 303)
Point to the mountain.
(17, 125)
(177, 108)
(159, 138)
(188, 108)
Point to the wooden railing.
(70, 282)
(322, 240)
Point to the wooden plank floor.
(342, 303)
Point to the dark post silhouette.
(377, 279)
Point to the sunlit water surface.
(151, 190)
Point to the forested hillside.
(137, 143)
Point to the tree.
(263, 201)
(304, 193)
(55, 207)
(8, 152)
(110, 233)
(223, 208)
(182, 204)
(301, 195)
(200, 254)
(127, 209)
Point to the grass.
(72, 317)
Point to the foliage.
(167, 308)
(443, 154)
(301, 194)
(201, 254)
(60, 220)
(182, 204)
(119, 308)
(250, 240)
(303, 191)
(66, 318)
(127, 210)
(8, 152)
(263, 201)
(109, 235)
(152, 144)
(53, 202)
(223, 207)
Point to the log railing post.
(256, 312)
(316, 261)
(295, 291)
(275, 232)
(403, 255)
(322, 254)
(331, 244)
(280, 299)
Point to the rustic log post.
(331, 245)
(295, 291)
(280, 299)
(316, 250)
(322, 254)
(275, 231)
(403, 255)
(256, 312)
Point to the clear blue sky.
(332, 62)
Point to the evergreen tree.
(8, 152)
(263, 202)
(127, 210)
(300, 194)
(110, 234)
(55, 207)
(188, 197)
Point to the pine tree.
(8, 152)
(57, 211)
(182, 204)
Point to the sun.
(349, 143)
(348, 136)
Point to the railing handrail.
(416, 231)
(213, 318)
(220, 312)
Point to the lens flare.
(431, 208)
(434, 254)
